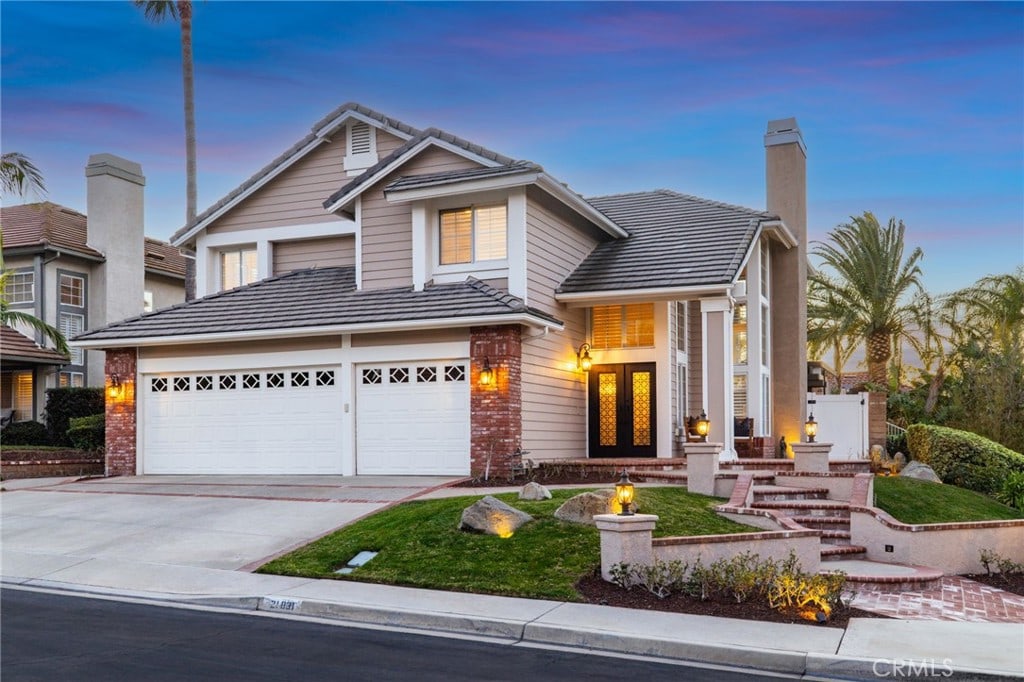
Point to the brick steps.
(891, 578)
(823, 522)
(791, 508)
(842, 552)
(775, 493)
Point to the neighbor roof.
(676, 240)
(164, 259)
(18, 348)
(45, 224)
(317, 298)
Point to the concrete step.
(674, 475)
(823, 522)
(855, 466)
(791, 508)
(835, 537)
(875, 575)
(751, 464)
(774, 493)
(830, 552)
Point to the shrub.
(25, 433)
(894, 444)
(962, 458)
(1012, 493)
(62, 404)
(88, 433)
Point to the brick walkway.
(958, 599)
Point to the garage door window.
(158, 385)
(324, 378)
(227, 382)
(182, 383)
(251, 381)
(275, 380)
(300, 379)
(426, 374)
(204, 383)
(371, 376)
(454, 373)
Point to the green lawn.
(912, 501)
(420, 545)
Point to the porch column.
(496, 408)
(716, 324)
(121, 414)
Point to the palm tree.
(872, 279)
(829, 327)
(18, 175)
(993, 308)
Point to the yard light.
(811, 428)
(114, 390)
(624, 494)
(583, 359)
(703, 426)
(487, 374)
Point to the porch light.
(114, 390)
(703, 426)
(583, 359)
(811, 428)
(487, 374)
(624, 494)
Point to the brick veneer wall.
(121, 413)
(496, 411)
(877, 419)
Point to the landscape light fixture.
(583, 359)
(811, 428)
(624, 492)
(703, 426)
(487, 374)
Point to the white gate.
(842, 421)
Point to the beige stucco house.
(381, 299)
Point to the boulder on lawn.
(491, 516)
(900, 460)
(583, 507)
(534, 491)
(920, 471)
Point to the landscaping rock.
(920, 471)
(534, 491)
(900, 460)
(491, 516)
(583, 507)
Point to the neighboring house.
(24, 363)
(381, 299)
(79, 273)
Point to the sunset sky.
(914, 110)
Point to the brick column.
(121, 413)
(496, 411)
(877, 418)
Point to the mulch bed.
(1010, 582)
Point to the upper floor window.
(739, 334)
(473, 234)
(147, 301)
(622, 326)
(72, 325)
(72, 291)
(237, 267)
(20, 287)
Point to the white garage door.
(413, 418)
(259, 421)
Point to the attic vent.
(154, 255)
(360, 138)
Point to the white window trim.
(241, 248)
(473, 263)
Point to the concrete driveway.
(160, 532)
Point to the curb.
(846, 668)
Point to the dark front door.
(621, 411)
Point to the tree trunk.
(185, 15)
(879, 350)
(932, 401)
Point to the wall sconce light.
(115, 388)
(624, 492)
(583, 359)
(811, 428)
(487, 374)
(703, 426)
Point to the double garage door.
(410, 418)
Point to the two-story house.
(78, 273)
(381, 299)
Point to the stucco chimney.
(786, 177)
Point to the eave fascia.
(164, 273)
(31, 360)
(781, 232)
(580, 205)
(461, 187)
(584, 299)
(527, 319)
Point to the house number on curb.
(282, 604)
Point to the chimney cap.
(109, 164)
(784, 131)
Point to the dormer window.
(361, 146)
(473, 234)
(238, 267)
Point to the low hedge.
(963, 458)
(88, 433)
(64, 404)
(25, 433)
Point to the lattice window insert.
(204, 383)
(227, 382)
(250, 381)
(607, 409)
(275, 380)
(454, 373)
(641, 408)
(426, 375)
(399, 375)
(371, 377)
(324, 378)
(182, 383)
(300, 379)
(158, 385)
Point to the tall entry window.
(622, 326)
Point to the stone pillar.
(701, 467)
(812, 457)
(121, 414)
(625, 540)
(716, 318)
(496, 419)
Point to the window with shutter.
(72, 325)
(473, 234)
(622, 326)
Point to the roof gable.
(46, 224)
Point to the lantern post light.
(703, 426)
(811, 428)
(624, 493)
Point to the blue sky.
(914, 110)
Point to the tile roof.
(288, 153)
(450, 177)
(676, 240)
(45, 224)
(18, 348)
(318, 297)
(163, 258)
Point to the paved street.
(49, 637)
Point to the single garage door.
(413, 418)
(259, 421)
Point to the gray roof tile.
(449, 177)
(324, 297)
(676, 240)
